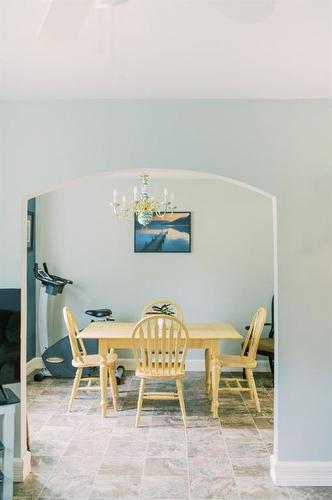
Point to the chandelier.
(143, 206)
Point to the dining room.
(235, 98)
(220, 273)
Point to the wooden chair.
(160, 349)
(83, 360)
(266, 344)
(246, 359)
(163, 306)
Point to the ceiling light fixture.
(144, 206)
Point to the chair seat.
(266, 346)
(234, 361)
(92, 360)
(163, 373)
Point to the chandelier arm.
(145, 207)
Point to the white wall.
(227, 275)
(282, 147)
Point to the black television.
(10, 338)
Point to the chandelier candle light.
(145, 207)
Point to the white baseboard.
(34, 364)
(197, 365)
(301, 473)
(192, 365)
(22, 467)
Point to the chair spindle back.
(250, 344)
(77, 346)
(163, 306)
(160, 345)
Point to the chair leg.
(271, 361)
(140, 401)
(246, 377)
(113, 386)
(117, 388)
(208, 372)
(74, 390)
(181, 400)
(252, 385)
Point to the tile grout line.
(231, 462)
(146, 451)
(103, 459)
(187, 456)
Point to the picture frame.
(30, 229)
(168, 234)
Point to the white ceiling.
(165, 49)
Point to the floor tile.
(211, 467)
(237, 420)
(166, 466)
(84, 464)
(263, 422)
(202, 421)
(44, 465)
(129, 421)
(217, 487)
(131, 433)
(165, 488)
(166, 449)
(64, 420)
(241, 435)
(215, 447)
(79, 447)
(50, 447)
(251, 467)
(121, 466)
(68, 486)
(119, 446)
(204, 436)
(167, 433)
(31, 488)
(311, 493)
(254, 449)
(110, 487)
(167, 421)
(256, 488)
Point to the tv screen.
(10, 325)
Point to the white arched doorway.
(155, 173)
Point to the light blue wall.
(225, 277)
(280, 146)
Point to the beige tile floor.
(81, 456)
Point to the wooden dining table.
(207, 336)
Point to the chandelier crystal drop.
(144, 206)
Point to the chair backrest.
(163, 306)
(160, 345)
(250, 344)
(271, 333)
(77, 346)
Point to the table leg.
(208, 372)
(215, 372)
(103, 376)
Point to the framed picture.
(169, 234)
(29, 230)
